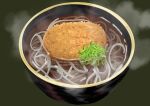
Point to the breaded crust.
(64, 41)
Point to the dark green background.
(16, 89)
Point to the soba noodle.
(78, 74)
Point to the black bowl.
(75, 94)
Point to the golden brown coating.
(64, 41)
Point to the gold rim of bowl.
(51, 81)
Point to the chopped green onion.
(93, 54)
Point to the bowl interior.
(44, 18)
